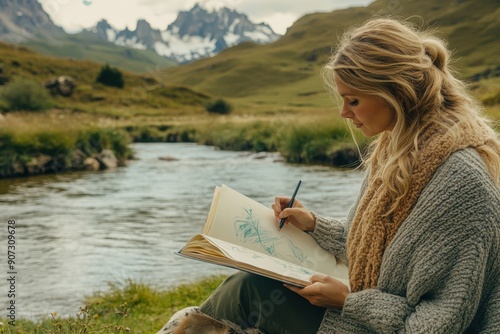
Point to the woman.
(422, 241)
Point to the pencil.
(282, 221)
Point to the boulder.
(17, 169)
(77, 159)
(168, 158)
(62, 85)
(260, 155)
(38, 165)
(107, 159)
(91, 164)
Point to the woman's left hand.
(325, 291)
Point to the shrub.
(255, 136)
(312, 142)
(95, 140)
(110, 77)
(219, 106)
(25, 94)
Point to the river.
(75, 232)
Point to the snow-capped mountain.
(197, 33)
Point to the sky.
(74, 15)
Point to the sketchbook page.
(215, 251)
(206, 249)
(243, 221)
(211, 213)
(261, 262)
(199, 245)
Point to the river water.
(76, 232)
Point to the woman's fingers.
(280, 203)
(298, 215)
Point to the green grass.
(128, 307)
(254, 135)
(316, 141)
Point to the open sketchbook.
(243, 234)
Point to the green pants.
(250, 300)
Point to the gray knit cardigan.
(441, 272)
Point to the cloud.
(74, 15)
(280, 21)
(281, 14)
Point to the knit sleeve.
(448, 305)
(331, 233)
(443, 264)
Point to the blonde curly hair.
(409, 69)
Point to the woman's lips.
(358, 125)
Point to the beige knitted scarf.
(371, 231)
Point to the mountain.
(198, 33)
(21, 20)
(287, 72)
(24, 22)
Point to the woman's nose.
(345, 112)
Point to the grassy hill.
(87, 45)
(286, 73)
(142, 92)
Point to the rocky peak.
(196, 33)
(202, 22)
(144, 31)
(104, 30)
(143, 37)
(22, 19)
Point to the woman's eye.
(353, 103)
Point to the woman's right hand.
(297, 215)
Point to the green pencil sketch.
(297, 269)
(249, 229)
(298, 252)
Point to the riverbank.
(80, 137)
(62, 140)
(58, 141)
(128, 307)
(321, 139)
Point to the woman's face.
(369, 113)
